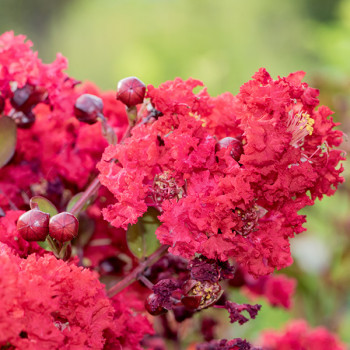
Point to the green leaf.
(44, 205)
(8, 139)
(75, 199)
(141, 237)
(45, 245)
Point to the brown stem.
(146, 281)
(108, 131)
(134, 275)
(88, 193)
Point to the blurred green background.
(222, 43)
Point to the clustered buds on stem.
(88, 108)
(35, 225)
(131, 91)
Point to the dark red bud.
(111, 265)
(131, 91)
(33, 225)
(2, 104)
(191, 302)
(153, 307)
(209, 293)
(27, 97)
(63, 227)
(189, 285)
(23, 120)
(235, 146)
(87, 108)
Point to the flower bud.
(63, 227)
(131, 91)
(23, 120)
(87, 108)
(235, 146)
(153, 307)
(25, 98)
(208, 292)
(33, 225)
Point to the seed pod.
(191, 302)
(131, 91)
(87, 108)
(153, 307)
(200, 295)
(33, 225)
(63, 227)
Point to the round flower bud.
(87, 108)
(235, 146)
(25, 98)
(153, 307)
(33, 225)
(23, 120)
(131, 91)
(63, 227)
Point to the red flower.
(211, 203)
(298, 335)
(47, 303)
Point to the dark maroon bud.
(33, 225)
(153, 307)
(23, 120)
(191, 302)
(27, 97)
(111, 265)
(131, 91)
(2, 104)
(87, 108)
(208, 292)
(235, 146)
(63, 227)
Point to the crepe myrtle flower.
(229, 174)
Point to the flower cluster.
(228, 174)
(50, 304)
(225, 175)
(299, 335)
(58, 153)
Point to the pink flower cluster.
(298, 335)
(228, 174)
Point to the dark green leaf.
(8, 138)
(44, 205)
(141, 237)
